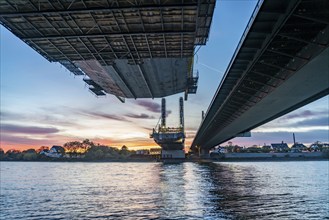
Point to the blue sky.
(42, 103)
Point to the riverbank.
(227, 157)
(85, 160)
(302, 156)
(265, 159)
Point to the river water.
(244, 190)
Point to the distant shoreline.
(280, 159)
(74, 160)
(195, 160)
(219, 157)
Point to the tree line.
(85, 150)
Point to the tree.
(29, 154)
(86, 144)
(72, 147)
(31, 150)
(2, 154)
(76, 147)
(13, 154)
(42, 148)
(124, 152)
(99, 154)
(124, 148)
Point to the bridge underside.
(309, 84)
(153, 78)
(281, 64)
(131, 49)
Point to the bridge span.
(281, 63)
(130, 49)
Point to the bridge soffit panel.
(166, 75)
(172, 20)
(133, 77)
(75, 32)
(99, 75)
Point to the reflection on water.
(262, 190)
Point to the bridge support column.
(172, 154)
(204, 153)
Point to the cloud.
(305, 114)
(104, 115)
(324, 121)
(305, 124)
(151, 106)
(109, 116)
(141, 116)
(8, 139)
(5, 115)
(305, 120)
(22, 142)
(51, 117)
(8, 128)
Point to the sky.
(43, 104)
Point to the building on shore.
(298, 147)
(142, 152)
(55, 152)
(280, 147)
(318, 146)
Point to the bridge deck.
(281, 38)
(128, 42)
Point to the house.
(280, 147)
(55, 152)
(318, 146)
(218, 150)
(57, 149)
(43, 152)
(298, 147)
